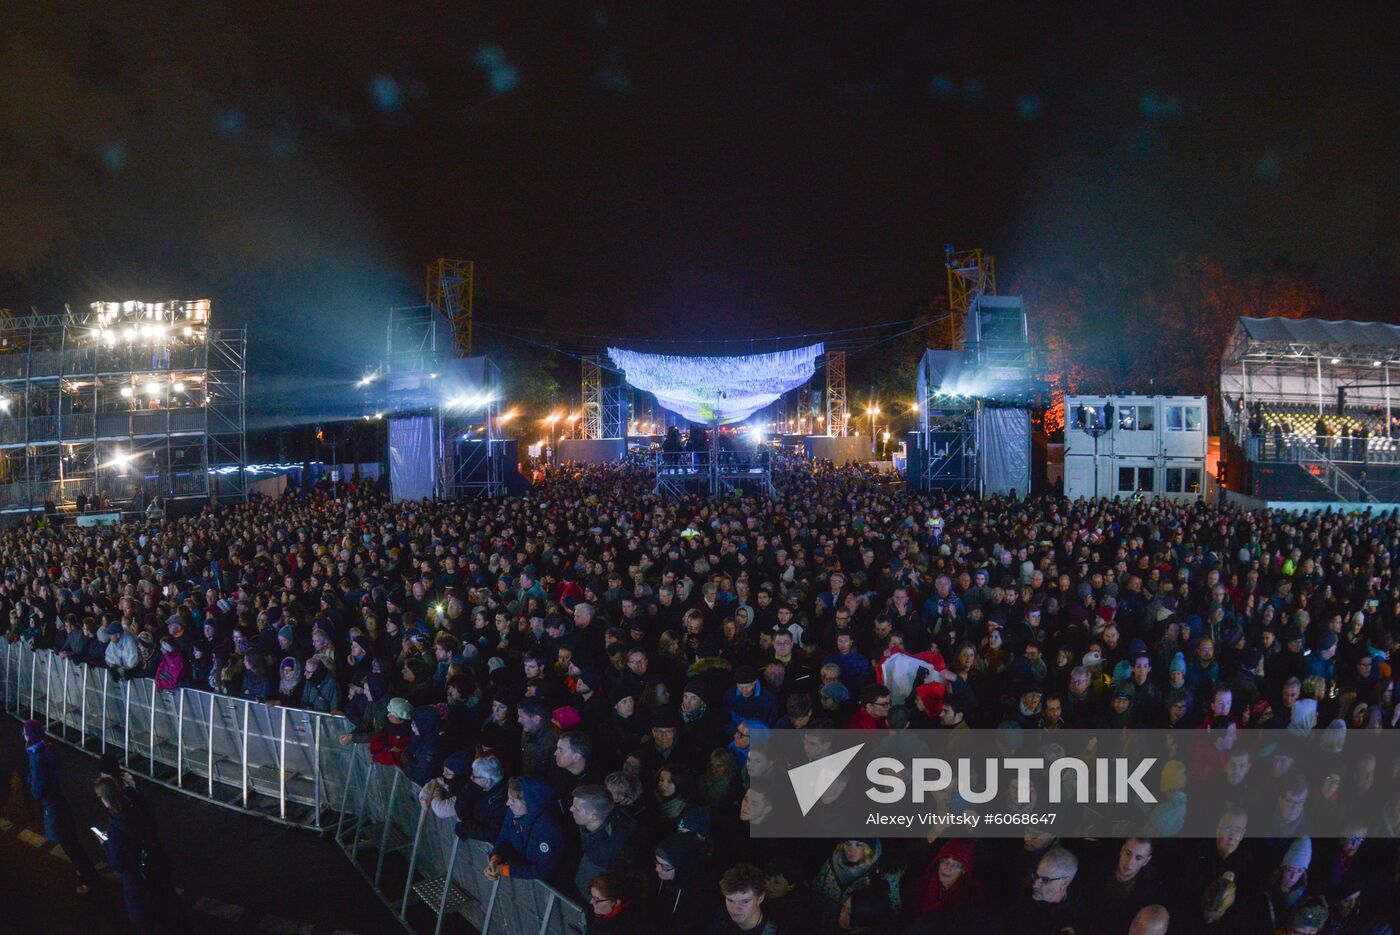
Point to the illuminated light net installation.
(717, 389)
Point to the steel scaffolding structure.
(593, 397)
(836, 411)
(617, 409)
(970, 273)
(132, 400)
(422, 375)
(451, 284)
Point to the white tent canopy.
(717, 389)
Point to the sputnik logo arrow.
(811, 780)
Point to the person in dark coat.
(686, 898)
(59, 827)
(607, 836)
(749, 699)
(531, 843)
(422, 758)
(135, 857)
(481, 804)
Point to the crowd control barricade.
(280, 763)
(287, 765)
(421, 869)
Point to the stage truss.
(135, 400)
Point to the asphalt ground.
(238, 873)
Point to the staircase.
(1326, 472)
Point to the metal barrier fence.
(383, 817)
(284, 764)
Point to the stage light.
(1375, 363)
(189, 332)
(1336, 360)
(506, 417)
(128, 392)
(152, 389)
(120, 460)
(367, 379)
(913, 407)
(177, 386)
(4, 404)
(757, 433)
(131, 334)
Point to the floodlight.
(152, 389)
(127, 392)
(177, 386)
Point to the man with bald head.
(1150, 920)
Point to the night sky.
(663, 169)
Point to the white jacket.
(122, 652)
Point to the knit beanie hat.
(1298, 855)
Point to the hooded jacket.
(422, 758)
(533, 844)
(685, 905)
(965, 892)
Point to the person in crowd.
(743, 891)
(1052, 906)
(616, 907)
(531, 842)
(607, 835)
(785, 612)
(481, 806)
(685, 898)
(951, 883)
(852, 864)
(134, 854)
(45, 784)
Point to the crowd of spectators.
(576, 676)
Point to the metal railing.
(280, 763)
(286, 765)
(382, 817)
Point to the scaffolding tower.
(593, 397)
(971, 273)
(836, 411)
(134, 400)
(451, 284)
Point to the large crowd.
(576, 676)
